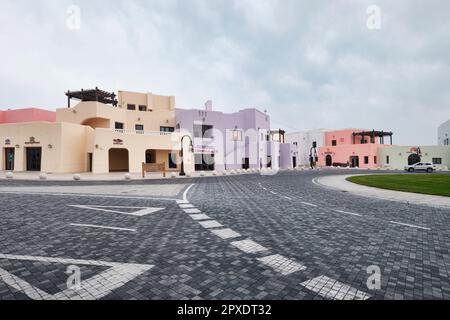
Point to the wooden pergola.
(92, 95)
(372, 134)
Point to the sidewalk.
(114, 176)
(339, 182)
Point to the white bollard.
(202, 173)
(9, 175)
(127, 176)
(214, 173)
(43, 176)
(173, 175)
(76, 177)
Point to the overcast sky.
(310, 64)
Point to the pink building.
(27, 115)
(352, 147)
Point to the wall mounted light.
(96, 146)
(74, 111)
(17, 146)
(50, 146)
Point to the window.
(142, 108)
(387, 159)
(333, 143)
(203, 131)
(366, 160)
(139, 127)
(437, 160)
(446, 142)
(375, 159)
(119, 126)
(172, 160)
(167, 129)
(131, 107)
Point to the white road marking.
(93, 288)
(142, 212)
(351, 213)
(192, 211)
(333, 289)
(272, 192)
(309, 204)
(409, 225)
(282, 264)
(286, 197)
(209, 224)
(84, 195)
(101, 227)
(186, 192)
(248, 246)
(316, 182)
(198, 217)
(182, 202)
(226, 233)
(186, 206)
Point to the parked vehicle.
(421, 166)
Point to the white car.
(421, 166)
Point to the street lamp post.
(191, 149)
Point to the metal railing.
(139, 132)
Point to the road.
(234, 237)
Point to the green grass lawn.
(435, 184)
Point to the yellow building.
(100, 134)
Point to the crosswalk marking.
(333, 289)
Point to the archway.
(328, 161)
(413, 159)
(118, 160)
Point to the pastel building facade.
(302, 142)
(228, 141)
(27, 115)
(97, 137)
(444, 134)
(358, 148)
(397, 157)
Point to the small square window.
(142, 108)
(366, 160)
(334, 143)
(131, 107)
(118, 126)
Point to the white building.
(303, 141)
(397, 157)
(444, 134)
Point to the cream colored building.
(397, 157)
(99, 138)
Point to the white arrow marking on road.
(91, 289)
(142, 212)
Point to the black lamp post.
(191, 149)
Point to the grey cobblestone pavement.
(311, 242)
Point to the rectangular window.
(366, 160)
(172, 160)
(446, 142)
(437, 160)
(131, 107)
(333, 143)
(167, 129)
(118, 126)
(142, 108)
(375, 159)
(203, 131)
(139, 127)
(387, 159)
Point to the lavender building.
(224, 141)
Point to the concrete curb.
(339, 182)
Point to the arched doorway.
(413, 159)
(118, 160)
(328, 161)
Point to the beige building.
(98, 135)
(397, 157)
